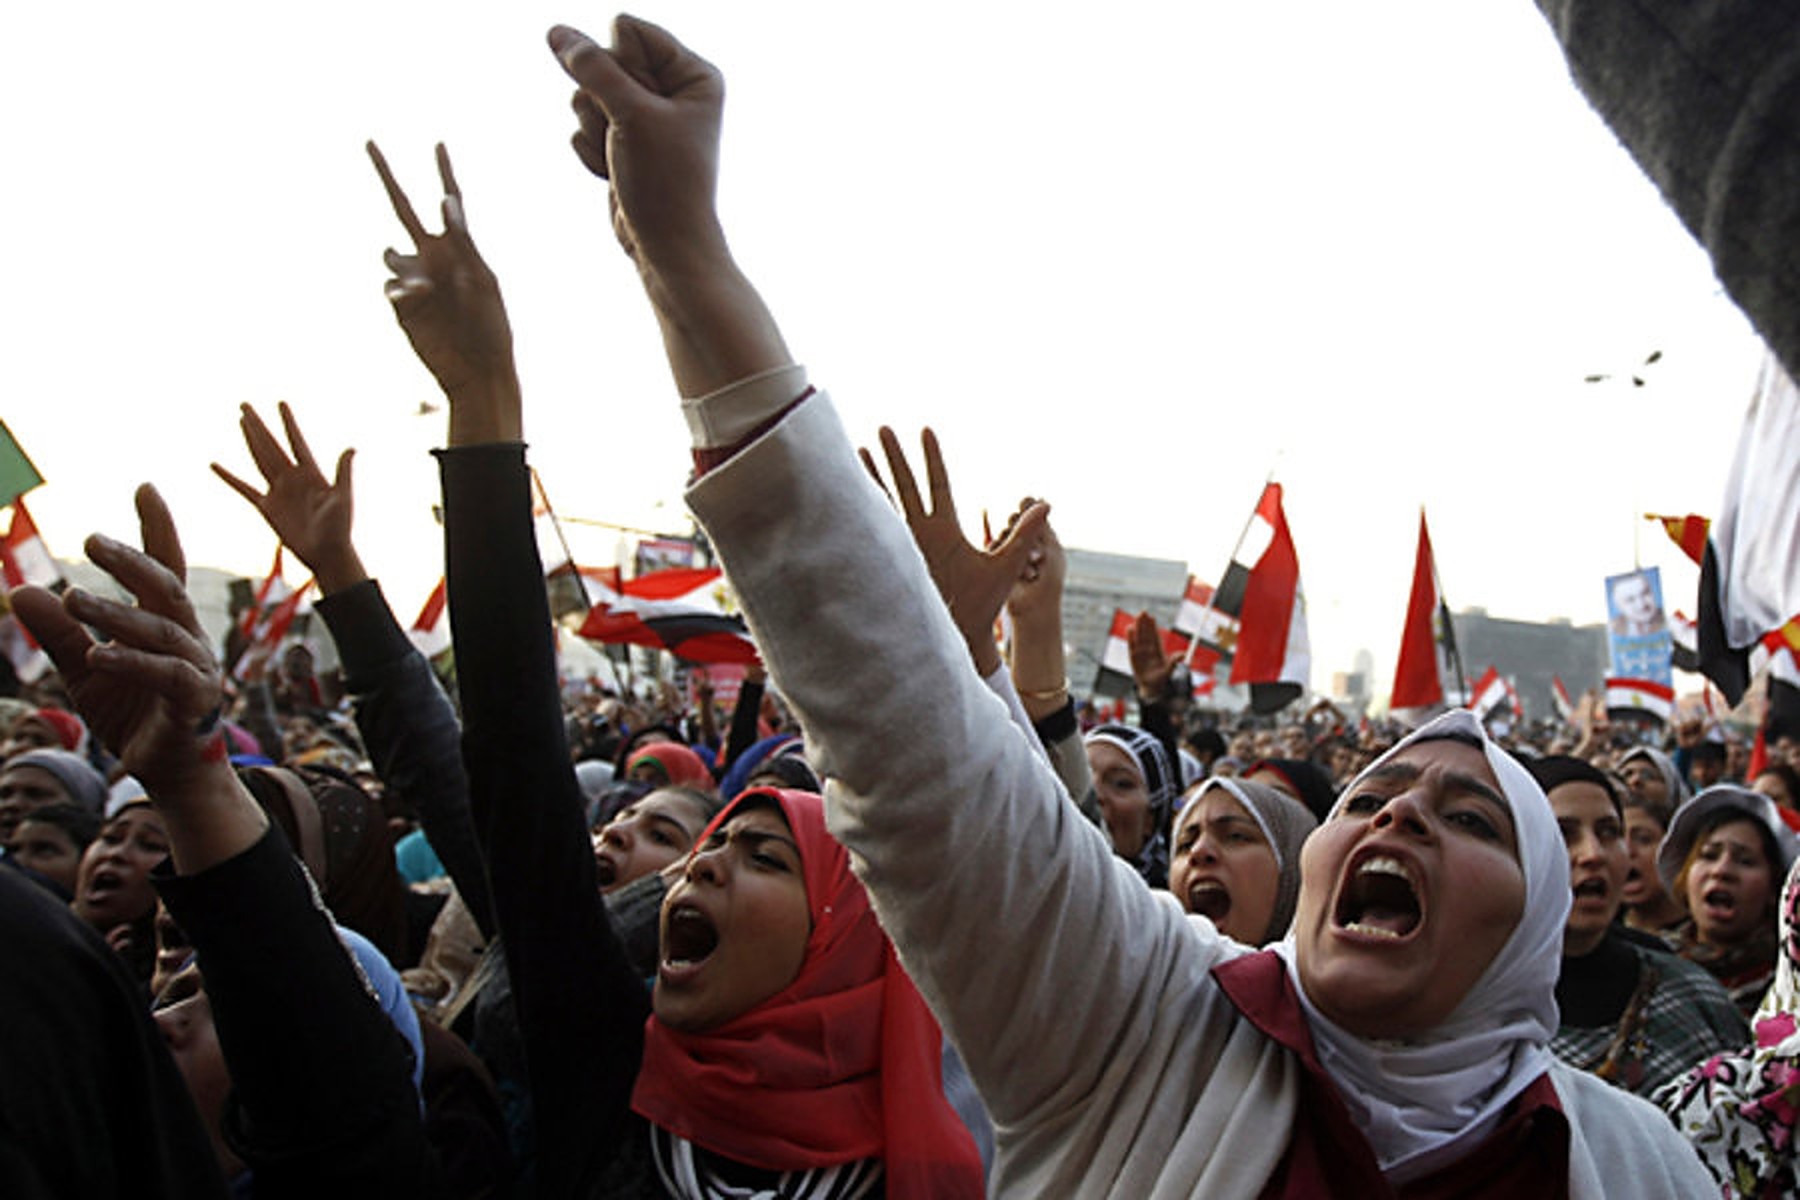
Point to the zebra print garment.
(691, 1173)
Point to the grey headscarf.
(86, 786)
(1679, 792)
(1285, 823)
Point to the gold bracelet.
(1060, 691)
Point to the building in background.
(1097, 584)
(1531, 652)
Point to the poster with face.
(1638, 627)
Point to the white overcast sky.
(1129, 259)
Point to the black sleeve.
(581, 1006)
(743, 723)
(410, 731)
(1154, 719)
(322, 1090)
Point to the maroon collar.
(1529, 1150)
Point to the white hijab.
(1425, 1103)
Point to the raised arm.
(954, 820)
(322, 1079)
(580, 1004)
(649, 112)
(406, 721)
(1040, 669)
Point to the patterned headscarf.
(1160, 782)
(1741, 1110)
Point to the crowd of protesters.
(920, 928)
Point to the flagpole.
(561, 538)
(1207, 612)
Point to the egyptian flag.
(573, 588)
(430, 631)
(1565, 707)
(23, 555)
(24, 559)
(1428, 642)
(1684, 641)
(1750, 572)
(1271, 652)
(271, 626)
(1640, 696)
(272, 589)
(1115, 678)
(1688, 532)
(1209, 631)
(677, 610)
(1488, 694)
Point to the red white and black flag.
(678, 610)
(430, 631)
(1490, 692)
(1114, 678)
(1262, 590)
(1429, 666)
(1559, 695)
(1750, 574)
(1210, 631)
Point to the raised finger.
(157, 532)
(303, 456)
(61, 635)
(267, 453)
(943, 503)
(402, 206)
(157, 589)
(445, 172)
(137, 627)
(237, 485)
(905, 486)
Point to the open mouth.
(605, 869)
(1591, 889)
(105, 882)
(1209, 899)
(688, 937)
(1378, 900)
(1720, 902)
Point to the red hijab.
(842, 1064)
(683, 767)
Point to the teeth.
(1382, 866)
(1372, 930)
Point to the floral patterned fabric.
(1741, 1110)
